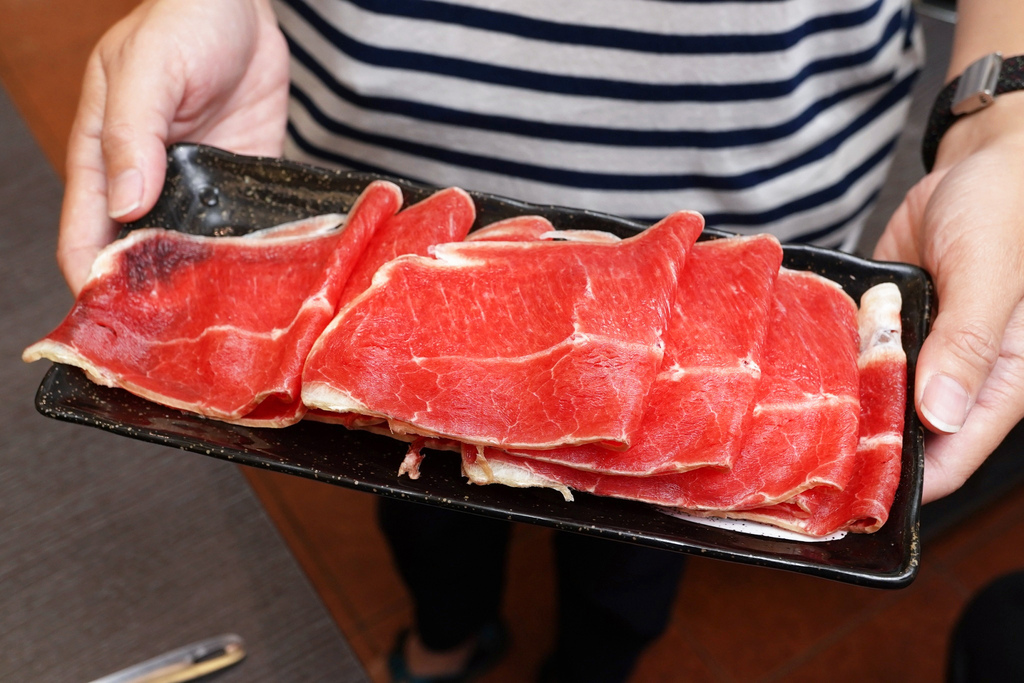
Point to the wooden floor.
(732, 623)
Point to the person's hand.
(964, 223)
(209, 71)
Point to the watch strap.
(1011, 77)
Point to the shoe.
(491, 644)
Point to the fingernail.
(944, 403)
(125, 193)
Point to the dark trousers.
(614, 599)
(988, 639)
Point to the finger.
(951, 459)
(978, 284)
(961, 348)
(85, 226)
(144, 91)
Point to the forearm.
(985, 26)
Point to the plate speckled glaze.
(211, 192)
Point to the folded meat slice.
(218, 326)
(711, 368)
(802, 430)
(445, 216)
(523, 344)
(863, 504)
(516, 229)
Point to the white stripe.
(647, 203)
(487, 99)
(588, 157)
(668, 18)
(506, 50)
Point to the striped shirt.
(764, 115)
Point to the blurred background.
(113, 551)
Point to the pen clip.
(183, 664)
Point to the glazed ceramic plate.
(211, 192)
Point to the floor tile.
(963, 539)
(751, 621)
(334, 534)
(999, 553)
(902, 640)
(674, 657)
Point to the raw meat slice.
(305, 227)
(219, 326)
(536, 228)
(703, 392)
(476, 345)
(445, 216)
(802, 431)
(863, 505)
(515, 229)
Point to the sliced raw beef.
(863, 504)
(802, 430)
(515, 229)
(306, 227)
(219, 326)
(703, 392)
(535, 228)
(445, 216)
(523, 344)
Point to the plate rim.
(184, 158)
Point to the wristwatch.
(975, 89)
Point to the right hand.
(206, 71)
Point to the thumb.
(955, 361)
(141, 104)
(974, 253)
(977, 294)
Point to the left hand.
(964, 224)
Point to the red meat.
(216, 326)
(863, 504)
(445, 216)
(522, 344)
(702, 394)
(802, 431)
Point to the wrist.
(999, 125)
(975, 107)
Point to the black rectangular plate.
(208, 191)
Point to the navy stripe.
(616, 137)
(588, 87)
(346, 162)
(815, 235)
(820, 233)
(622, 39)
(807, 202)
(604, 181)
(723, 220)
